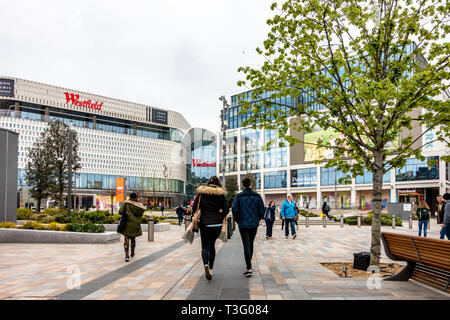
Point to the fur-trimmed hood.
(136, 204)
(211, 189)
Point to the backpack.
(424, 214)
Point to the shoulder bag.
(196, 218)
(123, 221)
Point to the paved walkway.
(170, 269)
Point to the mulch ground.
(386, 269)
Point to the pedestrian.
(269, 218)
(132, 211)
(423, 213)
(440, 214)
(213, 210)
(248, 210)
(180, 212)
(162, 210)
(325, 209)
(446, 219)
(288, 215)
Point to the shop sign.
(75, 100)
(159, 116)
(407, 191)
(199, 163)
(120, 189)
(7, 87)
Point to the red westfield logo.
(199, 163)
(75, 99)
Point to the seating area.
(428, 260)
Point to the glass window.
(304, 177)
(415, 169)
(275, 179)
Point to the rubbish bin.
(361, 260)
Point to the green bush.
(113, 219)
(85, 227)
(54, 226)
(52, 211)
(24, 214)
(47, 219)
(33, 225)
(386, 220)
(96, 217)
(62, 218)
(7, 225)
(351, 221)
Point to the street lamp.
(69, 184)
(165, 182)
(224, 127)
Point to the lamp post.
(165, 183)
(224, 127)
(69, 163)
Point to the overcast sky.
(176, 54)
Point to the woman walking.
(269, 218)
(213, 210)
(132, 212)
(288, 215)
(423, 213)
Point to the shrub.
(113, 218)
(7, 225)
(98, 217)
(24, 214)
(85, 227)
(64, 227)
(53, 226)
(33, 225)
(47, 219)
(351, 220)
(62, 218)
(52, 211)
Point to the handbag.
(223, 233)
(188, 235)
(122, 222)
(196, 219)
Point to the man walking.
(325, 209)
(288, 213)
(248, 209)
(180, 212)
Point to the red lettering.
(74, 99)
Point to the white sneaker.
(208, 274)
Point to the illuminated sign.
(159, 116)
(199, 163)
(75, 100)
(120, 188)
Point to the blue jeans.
(424, 224)
(180, 219)
(443, 232)
(286, 226)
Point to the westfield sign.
(75, 99)
(199, 163)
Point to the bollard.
(410, 222)
(342, 220)
(307, 221)
(359, 221)
(393, 221)
(151, 229)
(324, 221)
(429, 224)
(186, 224)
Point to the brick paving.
(283, 269)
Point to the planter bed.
(47, 236)
(158, 227)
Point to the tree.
(362, 76)
(55, 143)
(38, 173)
(231, 184)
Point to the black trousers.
(269, 226)
(248, 237)
(208, 236)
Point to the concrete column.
(134, 128)
(94, 122)
(442, 177)
(353, 193)
(46, 116)
(239, 152)
(318, 191)
(393, 187)
(17, 110)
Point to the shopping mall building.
(161, 156)
(279, 171)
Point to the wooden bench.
(428, 259)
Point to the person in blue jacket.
(288, 214)
(248, 210)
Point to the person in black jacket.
(180, 212)
(213, 210)
(248, 210)
(269, 217)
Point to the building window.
(415, 169)
(329, 176)
(273, 180)
(304, 177)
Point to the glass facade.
(415, 169)
(275, 156)
(231, 152)
(329, 176)
(257, 177)
(304, 177)
(276, 179)
(250, 149)
(367, 177)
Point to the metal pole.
(359, 221)
(69, 184)
(307, 221)
(151, 229)
(324, 221)
(410, 222)
(342, 220)
(393, 221)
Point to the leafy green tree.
(55, 143)
(363, 77)
(38, 173)
(231, 184)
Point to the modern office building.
(279, 171)
(144, 144)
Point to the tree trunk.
(377, 171)
(39, 204)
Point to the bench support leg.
(405, 274)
